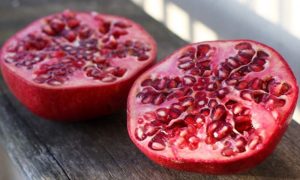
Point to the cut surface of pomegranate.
(213, 107)
(76, 65)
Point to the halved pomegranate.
(214, 107)
(75, 65)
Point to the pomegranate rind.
(74, 101)
(214, 165)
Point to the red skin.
(73, 103)
(69, 104)
(230, 166)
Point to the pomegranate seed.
(119, 72)
(150, 130)
(203, 64)
(55, 82)
(254, 142)
(205, 112)
(173, 83)
(174, 113)
(201, 103)
(189, 52)
(72, 23)
(202, 50)
(241, 85)
(259, 62)
(187, 101)
(57, 25)
(222, 131)
(256, 84)
(117, 33)
(147, 82)
(84, 32)
(247, 53)
(228, 152)
(237, 109)
(258, 96)
(111, 44)
(104, 27)
(108, 78)
(212, 103)
(246, 95)
(48, 30)
(211, 87)
(242, 119)
(222, 74)
(149, 116)
(218, 113)
(160, 84)
(222, 93)
(69, 35)
(180, 142)
(230, 103)
(240, 143)
(285, 88)
(242, 60)
(143, 57)
(196, 72)
(159, 99)
(78, 63)
(13, 47)
(194, 141)
(121, 24)
(189, 80)
(242, 46)
(262, 54)
(207, 73)
(231, 82)
(232, 62)
(42, 78)
(190, 119)
(275, 103)
(210, 140)
(218, 129)
(200, 120)
(148, 98)
(256, 67)
(178, 107)
(157, 143)
(139, 134)
(278, 89)
(186, 65)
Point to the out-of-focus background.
(273, 22)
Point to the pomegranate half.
(76, 65)
(214, 107)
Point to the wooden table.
(101, 149)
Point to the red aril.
(74, 65)
(225, 106)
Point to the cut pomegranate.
(74, 65)
(226, 106)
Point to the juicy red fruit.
(74, 65)
(224, 106)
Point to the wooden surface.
(101, 149)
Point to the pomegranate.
(214, 107)
(76, 65)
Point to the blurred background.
(273, 22)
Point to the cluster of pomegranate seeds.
(65, 43)
(196, 106)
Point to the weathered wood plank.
(101, 149)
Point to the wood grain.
(101, 149)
